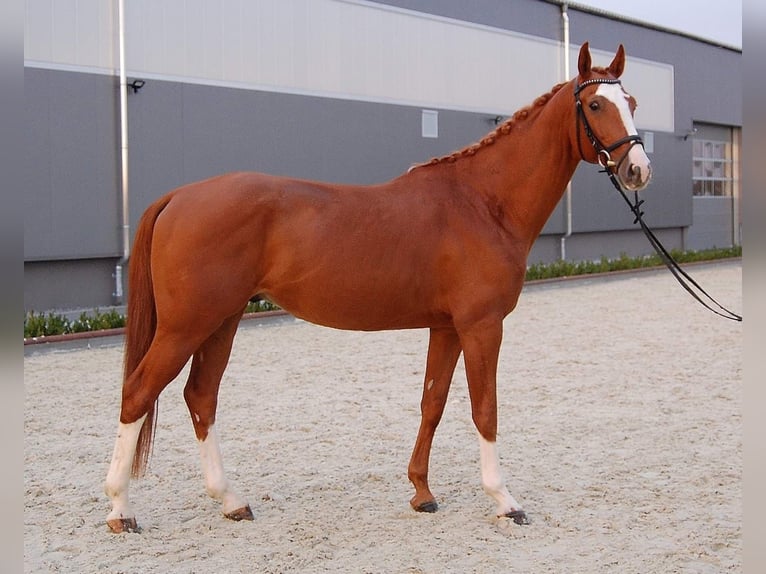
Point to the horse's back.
(392, 255)
(242, 234)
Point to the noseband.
(603, 152)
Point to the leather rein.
(610, 167)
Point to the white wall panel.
(339, 48)
(71, 33)
(652, 84)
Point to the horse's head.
(605, 119)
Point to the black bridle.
(610, 167)
(603, 152)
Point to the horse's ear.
(618, 64)
(584, 62)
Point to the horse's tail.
(142, 321)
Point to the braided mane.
(503, 129)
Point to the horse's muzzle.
(635, 173)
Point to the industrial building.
(128, 100)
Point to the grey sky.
(719, 20)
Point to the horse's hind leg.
(201, 394)
(122, 518)
(443, 353)
(163, 361)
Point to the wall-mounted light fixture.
(691, 132)
(136, 85)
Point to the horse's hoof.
(120, 525)
(243, 513)
(428, 506)
(518, 516)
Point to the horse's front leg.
(481, 347)
(443, 353)
(201, 394)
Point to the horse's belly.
(360, 307)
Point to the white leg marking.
(492, 478)
(118, 477)
(216, 483)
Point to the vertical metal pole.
(568, 200)
(118, 271)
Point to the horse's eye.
(593, 106)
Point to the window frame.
(713, 166)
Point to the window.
(713, 165)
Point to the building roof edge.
(630, 20)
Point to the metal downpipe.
(118, 296)
(568, 193)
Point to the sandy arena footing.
(620, 433)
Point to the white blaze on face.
(615, 94)
(636, 156)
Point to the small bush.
(45, 325)
(110, 320)
(623, 262)
(260, 306)
(42, 325)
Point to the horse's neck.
(526, 172)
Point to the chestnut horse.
(443, 246)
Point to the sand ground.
(620, 433)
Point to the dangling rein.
(610, 167)
(683, 278)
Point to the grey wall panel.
(610, 244)
(68, 284)
(37, 192)
(713, 223)
(545, 249)
(182, 133)
(156, 118)
(71, 199)
(526, 16)
(718, 101)
(597, 206)
(633, 243)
